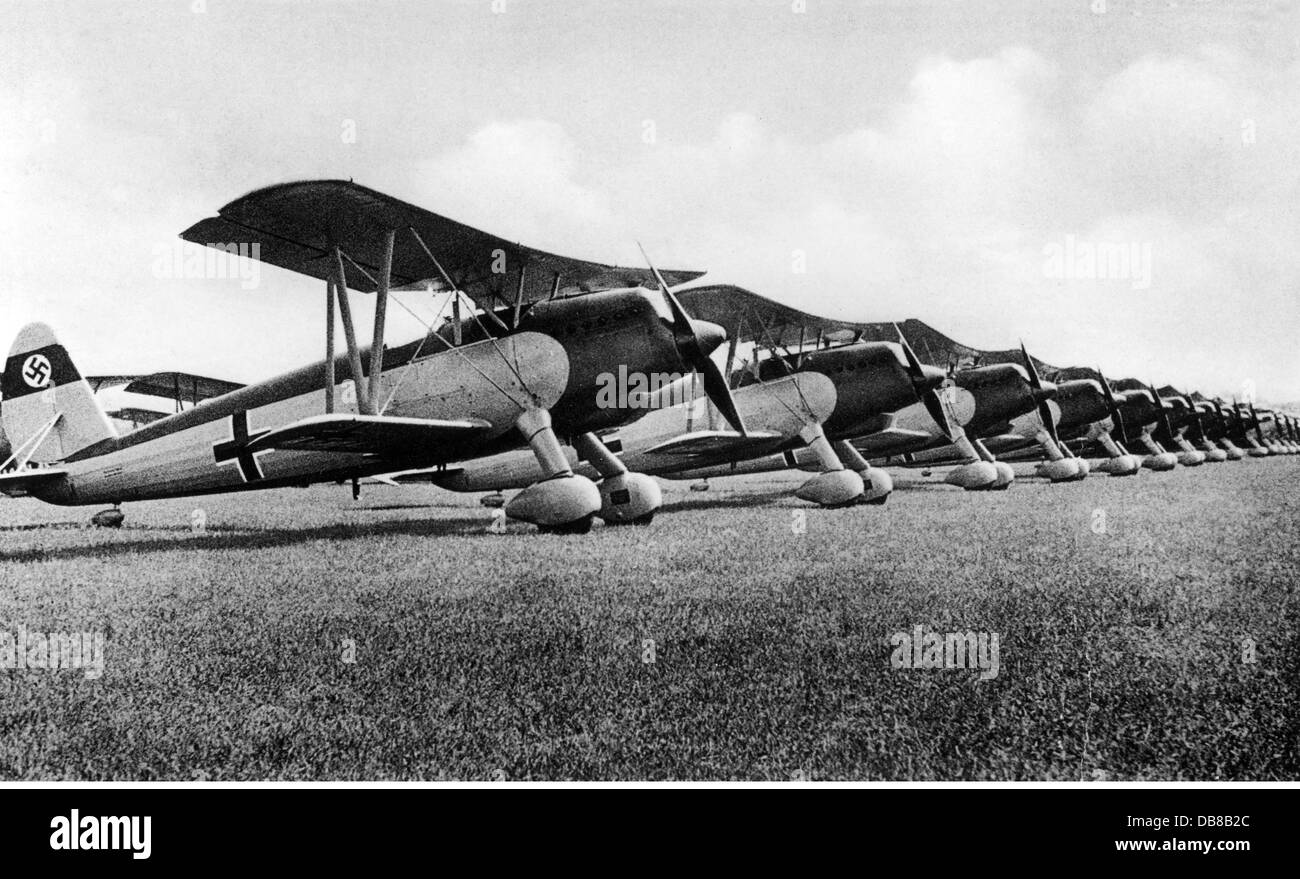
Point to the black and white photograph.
(512, 394)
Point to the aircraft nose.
(1046, 392)
(708, 334)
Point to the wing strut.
(350, 334)
(329, 348)
(381, 313)
(336, 288)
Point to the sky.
(955, 162)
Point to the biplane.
(798, 405)
(520, 370)
(950, 417)
(1068, 429)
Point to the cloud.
(518, 179)
(939, 205)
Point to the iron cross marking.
(236, 448)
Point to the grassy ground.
(481, 655)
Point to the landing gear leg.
(1081, 463)
(562, 502)
(877, 483)
(1119, 462)
(835, 486)
(1057, 467)
(1159, 459)
(625, 498)
(976, 475)
(1006, 475)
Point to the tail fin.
(39, 383)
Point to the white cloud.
(938, 206)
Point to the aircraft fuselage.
(554, 359)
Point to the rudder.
(41, 381)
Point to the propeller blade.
(1031, 368)
(938, 412)
(1045, 416)
(1044, 410)
(913, 364)
(715, 387)
(693, 355)
(929, 397)
(1196, 417)
(1112, 404)
(1164, 413)
(681, 320)
(1259, 428)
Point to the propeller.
(1164, 413)
(691, 350)
(1044, 411)
(1237, 421)
(1113, 405)
(920, 383)
(1259, 431)
(1196, 418)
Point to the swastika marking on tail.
(37, 371)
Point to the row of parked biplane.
(576, 383)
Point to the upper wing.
(100, 382)
(181, 386)
(1045, 369)
(749, 317)
(136, 414)
(753, 318)
(297, 225)
(368, 434)
(171, 385)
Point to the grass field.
(512, 656)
